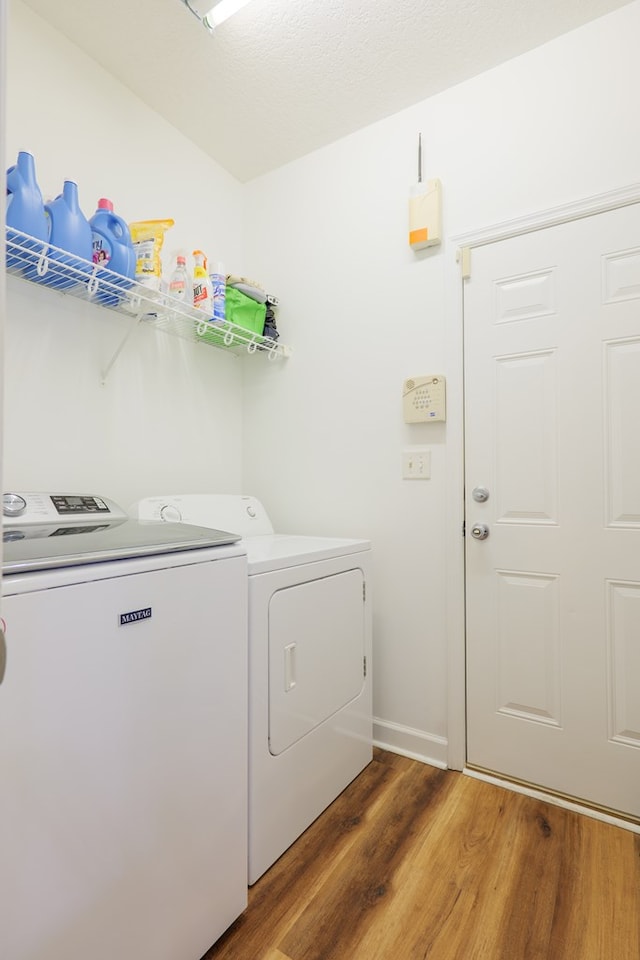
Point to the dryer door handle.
(289, 667)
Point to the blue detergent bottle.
(70, 232)
(25, 213)
(113, 250)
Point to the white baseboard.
(409, 742)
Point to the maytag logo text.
(134, 615)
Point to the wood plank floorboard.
(416, 863)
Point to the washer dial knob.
(170, 513)
(13, 504)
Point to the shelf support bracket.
(107, 370)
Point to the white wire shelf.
(42, 263)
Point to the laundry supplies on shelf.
(180, 283)
(25, 213)
(241, 314)
(254, 291)
(139, 303)
(244, 311)
(219, 287)
(270, 330)
(202, 288)
(70, 241)
(111, 263)
(248, 287)
(148, 237)
(112, 248)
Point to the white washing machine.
(123, 733)
(310, 714)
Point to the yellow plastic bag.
(147, 237)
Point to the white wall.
(170, 415)
(320, 436)
(324, 432)
(3, 60)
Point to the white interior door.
(552, 401)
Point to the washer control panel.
(25, 508)
(245, 515)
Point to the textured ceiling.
(284, 77)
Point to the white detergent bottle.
(202, 289)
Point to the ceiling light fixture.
(222, 11)
(213, 16)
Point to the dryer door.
(316, 654)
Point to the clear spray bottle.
(180, 283)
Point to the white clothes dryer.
(310, 714)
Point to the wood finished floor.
(416, 863)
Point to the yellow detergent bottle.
(202, 289)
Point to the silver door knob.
(479, 531)
(480, 494)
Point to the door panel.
(526, 438)
(622, 460)
(528, 647)
(623, 630)
(552, 390)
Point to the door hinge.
(463, 256)
(364, 590)
(464, 528)
(364, 666)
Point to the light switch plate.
(416, 463)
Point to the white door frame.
(459, 259)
